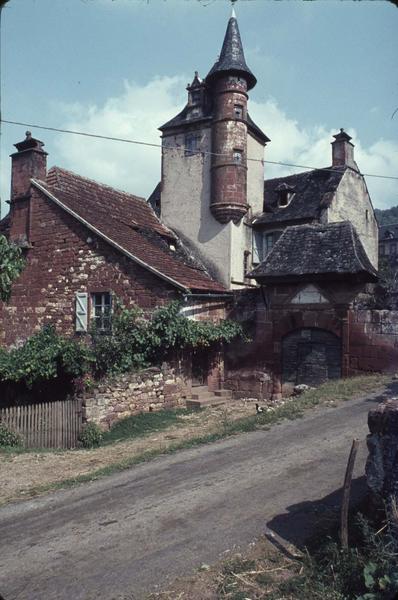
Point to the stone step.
(204, 403)
(202, 395)
(223, 393)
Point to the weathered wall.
(368, 339)
(66, 258)
(185, 203)
(352, 203)
(255, 175)
(132, 393)
(373, 341)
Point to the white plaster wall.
(350, 203)
(185, 204)
(255, 175)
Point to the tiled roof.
(305, 252)
(4, 225)
(312, 191)
(388, 232)
(130, 223)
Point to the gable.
(309, 294)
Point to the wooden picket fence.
(45, 424)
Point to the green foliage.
(136, 342)
(42, 357)
(9, 438)
(366, 571)
(125, 348)
(387, 216)
(11, 265)
(91, 435)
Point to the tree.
(11, 265)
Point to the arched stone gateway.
(310, 356)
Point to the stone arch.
(310, 355)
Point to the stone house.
(87, 244)
(293, 254)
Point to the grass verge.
(330, 394)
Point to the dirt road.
(120, 536)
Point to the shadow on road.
(306, 519)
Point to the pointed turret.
(232, 58)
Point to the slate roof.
(313, 190)
(388, 232)
(129, 222)
(306, 252)
(232, 58)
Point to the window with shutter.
(81, 315)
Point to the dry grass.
(27, 474)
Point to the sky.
(120, 68)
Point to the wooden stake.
(346, 494)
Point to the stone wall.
(248, 383)
(373, 341)
(65, 258)
(132, 393)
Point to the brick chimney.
(30, 161)
(343, 151)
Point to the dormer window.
(285, 194)
(195, 96)
(238, 111)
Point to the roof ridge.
(97, 183)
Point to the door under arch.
(310, 356)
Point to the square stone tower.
(212, 165)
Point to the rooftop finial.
(233, 14)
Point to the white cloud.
(135, 114)
(311, 146)
(139, 110)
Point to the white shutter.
(257, 247)
(81, 311)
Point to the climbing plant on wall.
(11, 265)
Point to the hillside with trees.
(387, 216)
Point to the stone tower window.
(238, 111)
(192, 144)
(238, 156)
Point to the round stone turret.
(229, 80)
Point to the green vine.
(135, 342)
(11, 265)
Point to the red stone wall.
(373, 341)
(64, 258)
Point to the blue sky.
(120, 68)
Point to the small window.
(195, 96)
(192, 144)
(263, 244)
(269, 241)
(238, 156)
(393, 249)
(101, 307)
(238, 111)
(367, 215)
(382, 250)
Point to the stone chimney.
(30, 161)
(343, 151)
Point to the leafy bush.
(42, 357)
(8, 437)
(91, 435)
(11, 265)
(137, 342)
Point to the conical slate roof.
(232, 58)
